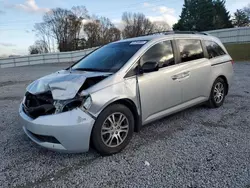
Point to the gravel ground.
(199, 147)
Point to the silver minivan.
(115, 90)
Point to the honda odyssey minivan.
(115, 90)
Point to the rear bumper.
(69, 131)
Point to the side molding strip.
(220, 63)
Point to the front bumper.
(69, 131)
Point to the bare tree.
(104, 24)
(92, 31)
(39, 47)
(56, 21)
(113, 34)
(79, 13)
(44, 34)
(71, 31)
(108, 31)
(136, 24)
(101, 31)
(160, 26)
(64, 26)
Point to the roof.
(147, 38)
(167, 35)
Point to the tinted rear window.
(190, 49)
(213, 49)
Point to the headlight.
(67, 105)
(87, 102)
(24, 99)
(72, 105)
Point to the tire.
(108, 136)
(217, 96)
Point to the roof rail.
(177, 32)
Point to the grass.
(239, 52)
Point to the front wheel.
(218, 93)
(113, 129)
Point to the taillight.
(232, 61)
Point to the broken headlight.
(87, 102)
(67, 105)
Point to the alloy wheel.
(115, 129)
(219, 92)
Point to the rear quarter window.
(213, 49)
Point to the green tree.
(247, 10)
(197, 15)
(221, 15)
(184, 22)
(203, 15)
(241, 19)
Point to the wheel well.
(131, 105)
(225, 79)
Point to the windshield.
(109, 58)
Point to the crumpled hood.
(62, 84)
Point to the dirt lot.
(199, 147)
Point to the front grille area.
(38, 105)
(42, 138)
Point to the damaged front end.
(44, 104)
(37, 105)
(60, 92)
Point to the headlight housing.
(84, 103)
(87, 102)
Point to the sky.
(17, 17)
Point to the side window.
(213, 49)
(190, 49)
(161, 53)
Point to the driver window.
(161, 53)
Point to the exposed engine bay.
(60, 92)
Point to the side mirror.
(149, 66)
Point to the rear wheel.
(113, 129)
(218, 93)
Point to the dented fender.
(127, 89)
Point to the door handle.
(175, 77)
(181, 75)
(185, 74)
